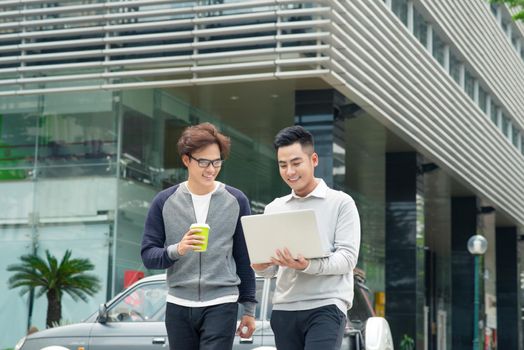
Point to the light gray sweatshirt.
(326, 280)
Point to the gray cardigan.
(224, 269)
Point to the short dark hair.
(201, 135)
(291, 135)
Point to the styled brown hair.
(201, 135)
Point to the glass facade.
(57, 179)
(80, 169)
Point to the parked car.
(134, 319)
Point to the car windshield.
(145, 303)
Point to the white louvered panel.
(373, 60)
(184, 42)
(429, 104)
(408, 90)
(473, 29)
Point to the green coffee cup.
(204, 233)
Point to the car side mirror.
(102, 313)
(377, 334)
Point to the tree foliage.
(53, 278)
(519, 4)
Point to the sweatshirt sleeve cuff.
(172, 252)
(270, 272)
(249, 308)
(312, 268)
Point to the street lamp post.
(477, 246)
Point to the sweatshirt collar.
(320, 191)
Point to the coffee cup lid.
(199, 225)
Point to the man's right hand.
(190, 241)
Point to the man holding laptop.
(312, 296)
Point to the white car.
(134, 319)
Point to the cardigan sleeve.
(247, 287)
(153, 250)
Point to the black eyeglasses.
(204, 163)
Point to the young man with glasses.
(312, 296)
(204, 287)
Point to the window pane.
(400, 8)
(469, 84)
(483, 100)
(17, 144)
(454, 68)
(438, 48)
(505, 26)
(420, 28)
(505, 126)
(494, 9)
(494, 114)
(515, 136)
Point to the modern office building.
(416, 106)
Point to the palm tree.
(53, 279)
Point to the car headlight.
(20, 343)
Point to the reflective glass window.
(505, 26)
(469, 84)
(400, 8)
(514, 135)
(514, 40)
(17, 145)
(494, 114)
(438, 48)
(505, 126)
(483, 99)
(494, 8)
(454, 67)
(420, 28)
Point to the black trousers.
(201, 328)
(316, 329)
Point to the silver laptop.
(296, 230)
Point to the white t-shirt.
(201, 207)
(201, 203)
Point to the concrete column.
(322, 113)
(463, 226)
(486, 227)
(437, 194)
(507, 288)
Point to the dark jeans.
(201, 328)
(316, 329)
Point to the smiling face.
(202, 180)
(297, 167)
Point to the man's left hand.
(246, 327)
(284, 258)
